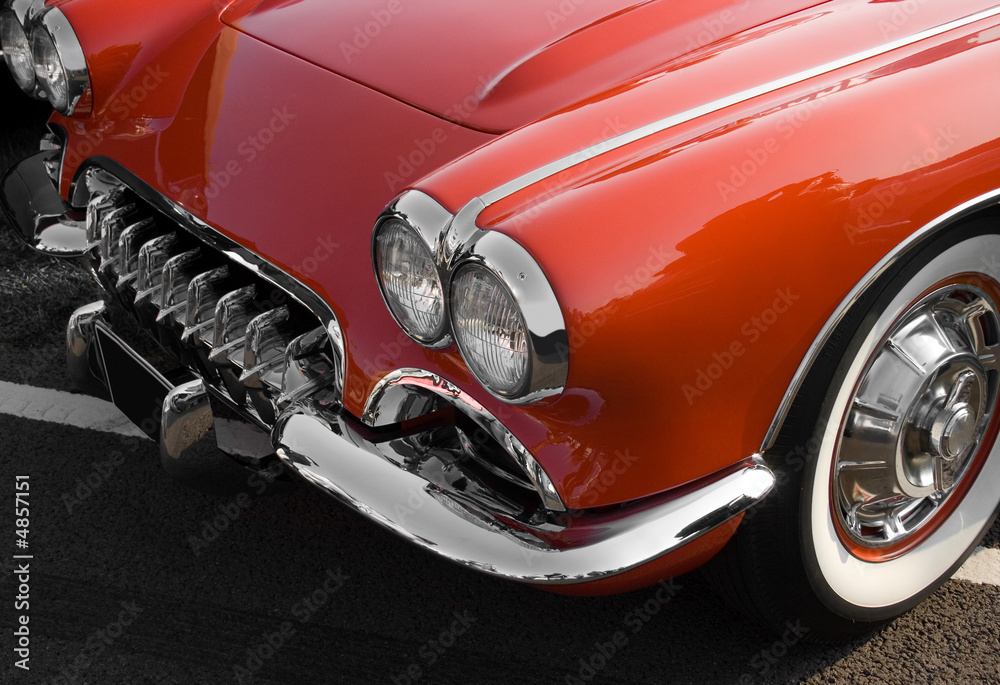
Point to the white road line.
(982, 567)
(57, 406)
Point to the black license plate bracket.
(136, 387)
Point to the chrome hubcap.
(954, 428)
(917, 416)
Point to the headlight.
(443, 278)
(59, 62)
(490, 331)
(49, 69)
(506, 320)
(16, 50)
(409, 280)
(44, 55)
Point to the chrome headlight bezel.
(52, 25)
(457, 247)
(547, 367)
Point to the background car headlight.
(409, 279)
(490, 331)
(17, 50)
(44, 55)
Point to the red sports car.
(581, 294)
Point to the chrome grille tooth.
(131, 239)
(204, 292)
(98, 206)
(95, 209)
(153, 255)
(231, 319)
(177, 274)
(267, 337)
(229, 336)
(308, 366)
(112, 224)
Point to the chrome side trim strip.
(462, 231)
(886, 263)
(557, 166)
(328, 453)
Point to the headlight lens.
(16, 50)
(410, 281)
(490, 330)
(49, 69)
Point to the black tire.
(836, 556)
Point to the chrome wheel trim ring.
(885, 583)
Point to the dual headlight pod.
(485, 292)
(44, 55)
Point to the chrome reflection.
(204, 292)
(407, 394)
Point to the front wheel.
(899, 477)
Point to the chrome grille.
(249, 338)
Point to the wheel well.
(793, 424)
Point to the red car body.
(707, 189)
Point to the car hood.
(497, 65)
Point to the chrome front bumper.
(329, 452)
(425, 461)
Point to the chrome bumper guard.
(425, 461)
(38, 215)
